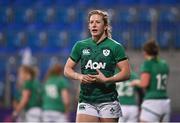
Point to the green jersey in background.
(35, 89)
(52, 99)
(126, 93)
(159, 71)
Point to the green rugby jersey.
(159, 71)
(103, 56)
(52, 99)
(126, 93)
(34, 87)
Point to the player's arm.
(123, 75)
(66, 99)
(23, 102)
(70, 73)
(143, 82)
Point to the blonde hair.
(105, 17)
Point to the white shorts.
(33, 115)
(21, 117)
(102, 110)
(155, 110)
(130, 113)
(53, 116)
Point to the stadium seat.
(66, 3)
(5, 2)
(129, 2)
(19, 15)
(2, 39)
(146, 14)
(127, 15)
(6, 15)
(3, 15)
(164, 39)
(45, 2)
(86, 3)
(169, 2)
(168, 14)
(36, 40)
(40, 15)
(139, 38)
(107, 3)
(11, 36)
(66, 15)
(54, 39)
(29, 15)
(150, 2)
(24, 2)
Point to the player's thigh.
(86, 118)
(114, 120)
(133, 114)
(167, 111)
(110, 111)
(125, 113)
(148, 116)
(150, 111)
(53, 116)
(87, 113)
(33, 115)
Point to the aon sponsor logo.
(95, 65)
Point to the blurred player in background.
(16, 100)
(99, 56)
(154, 75)
(56, 98)
(30, 95)
(127, 98)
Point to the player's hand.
(86, 79)
(99, 77)
(14, 116)
(134, 83)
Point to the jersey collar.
(100, 41)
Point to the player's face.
(96, 25)
(145, 55)
(22, 75)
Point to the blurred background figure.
(56, 97)
(154, 78)
(29, 92)
(127, 96)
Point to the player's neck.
(100, 38)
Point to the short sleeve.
(64, 83)
(75, 53)
(27, 85)
(119, 53)
(134, 76)
(145, 67)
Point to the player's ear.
(106, 27)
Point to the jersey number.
(124, 89)
(161, 81)
(52, 91)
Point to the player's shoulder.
(147, 62)
(114, 42)
(163, 62)
(84, 41)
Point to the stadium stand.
(53, 26)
